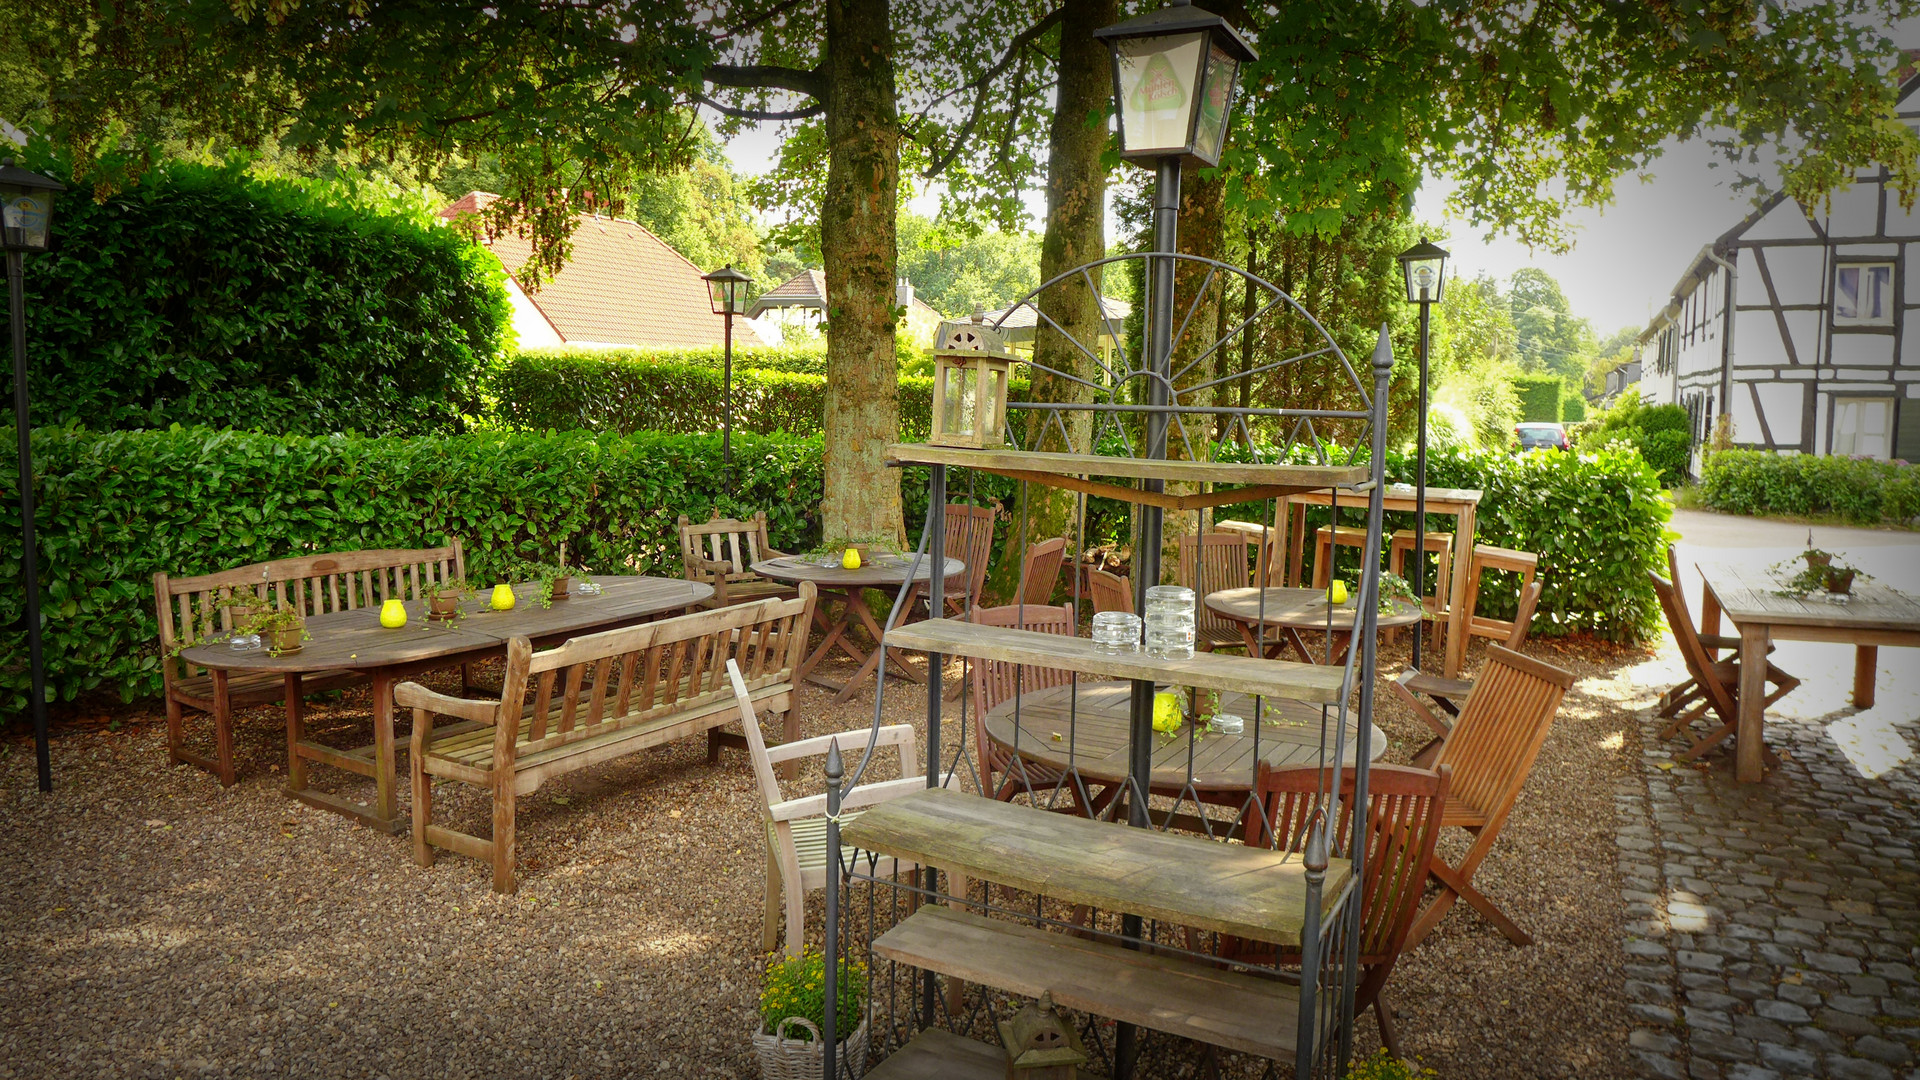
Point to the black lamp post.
(727, 289)
(26, 219)
(1424, 266)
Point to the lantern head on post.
(1425, 268)
(1174, 74)
(1041, 1044)
(971, 369)
(727, 290)
(26, 208)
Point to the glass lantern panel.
(958, 400)
(1157, 79)
(1423, 280)
(993, 407)
(24, 215)
(1216, 105)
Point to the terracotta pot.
(444, 606)
(560, 586)
(1818, 562)
(1840, 582)
(288, 640)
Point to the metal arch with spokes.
(1114, 379)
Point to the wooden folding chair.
(1041, 571)
(1405, 808)
(1491, 750)
(1223, 565)
(994, 681)
(1445, 692)
(1110, 591)
(1713, 686)
(969, 538)
(1687, 692)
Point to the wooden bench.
(197, 608)
(594, 699)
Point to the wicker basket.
(782, 1058)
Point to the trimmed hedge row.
(631, 391)
(115, 507)
(1540, 397)
(802, 359)
(1760, 482)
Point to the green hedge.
(601, 391)
(209, 295)
(1539, 397)
(1573, 407)
(116, 507)
(1761, 482)
(801, 359)
(1663, 434)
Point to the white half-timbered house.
(1803, 324)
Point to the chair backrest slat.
(1222, 565)
(1501, 728)
(994, 681)
(1523, 616)
(1041, 571)
(1110, 591)
(969, 538)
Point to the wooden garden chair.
(1713, 686)
(197, 608)
(994, 681)
(721, 552)
(1491, 749)
(1687, 693)
(1405, 808)
(796, 828)
(1110, 591)
(1448, 693)
(1040, 573)
(969, 539)
(1223, 565)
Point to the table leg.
(296, 731)
(1866, 662)
(384, 806)
(836, 630)
(857, 605)
(1750, 745)
(1296, 541)
(1458, 617)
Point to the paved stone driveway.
(1774, 928)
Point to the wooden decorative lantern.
(971, 369)
(1041, 1044)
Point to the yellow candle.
(393, 614)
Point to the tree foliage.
(953, 271)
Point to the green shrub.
(209, 295)
(1857, 490)
(808, 359)
(1573, 409)
(1663, 434)
(1539, 397)
(601, 391)
(115, 507)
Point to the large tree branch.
(765, 77)
(1014, 50)
(735, 111)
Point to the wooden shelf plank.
(1035, 463)
(1313, 683)
(939, 1054)
(1179, 996)
(1249, 892)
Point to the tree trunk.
(1076, 234)
(862, 498)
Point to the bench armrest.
(412, 695)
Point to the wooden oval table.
(1292, 612)
(836, 582)
(354, 640)
(1086, 728)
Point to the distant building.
(801, 302)
(1020, 323)
(1803, 324)
(1618, 380)
(622, 287)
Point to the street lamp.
(1424, 267)
(727, 290)
(26, 220)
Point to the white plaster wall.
(530, 327)
(1783, 222)
(1749, 288)
(1805, 328)
(1783, 404)
(1756, 340)
(1856, 211)
(1857, 350)
(1798, 274)
(1901, 222)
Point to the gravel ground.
(159, 926)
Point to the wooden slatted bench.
(591, 700)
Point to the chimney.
(903, 293)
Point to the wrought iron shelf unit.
(938, 1054)
(1318, 684)
(1249, 892)
(1074, 472)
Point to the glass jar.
(1116, 632)
(1170, 622)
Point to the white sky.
(1625, 257)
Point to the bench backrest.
(197, 607)
(738, 544)
(617, 678)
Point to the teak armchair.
(721, 552)
(1447, 693)
(1405, 807)
(796, 829)
(1491, 749)
(1109, 591)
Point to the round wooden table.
(1292, 612)
(1086, 728)
(878, 572)
(354, 640)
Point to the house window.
(1863, 426)
(1863, 294)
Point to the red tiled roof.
(808, 288)
(622, 285)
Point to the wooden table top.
(355, 639)
(1749, 597)
(1401, 497)
(1301, 609)
(877, 571)
(1289, 735)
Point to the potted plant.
(555, 579)
(1823, 572)
(793, 1010)
(284, 626)
(443, 597)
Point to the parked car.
(1534, 436)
